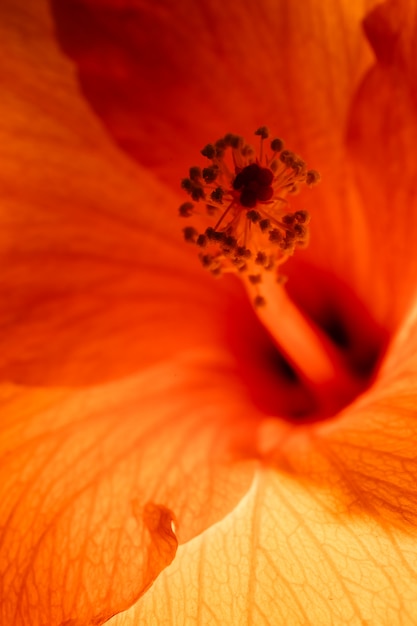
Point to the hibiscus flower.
(161, 462)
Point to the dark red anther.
(254, 183)
(265, 177)
(247, 175)
(248, 198)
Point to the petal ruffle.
(382, 138)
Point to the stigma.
(239, 210)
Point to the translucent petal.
(286, 555)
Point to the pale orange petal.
(286, 555)
(329, 538)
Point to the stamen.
(248, 227)
(248, 193)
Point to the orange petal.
(190, 72)
(96, 280)
(382, 138)
(91, 481)
(95, 285)
(364, 219)
(286, 555)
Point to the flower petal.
(327, 537)
(382, 137)
(286, 555)
(365, 225)
(95, 279)
(95, 285)
(91, 481)
(221, 68)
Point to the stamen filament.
(223, 216)
(307, 348)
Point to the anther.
(286, 157)
(186, 209)
(277, 145)
(275, 235)
(302, 217)
(288, 219)
(261, 258)
(253, 216)
(190, 234)
(230, 241)
(259, 301)
(195, 174)
(210, 174)
(312, 177)
(197, 194)
(201, 240)
(217, 195)
(263, 132)
(206, 260)
(187, 184)
(209, 151)
(255, 279)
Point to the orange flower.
(142, 401)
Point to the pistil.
(243, 223)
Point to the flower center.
(243, 223)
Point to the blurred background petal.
(166, 78)
(96, 280)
